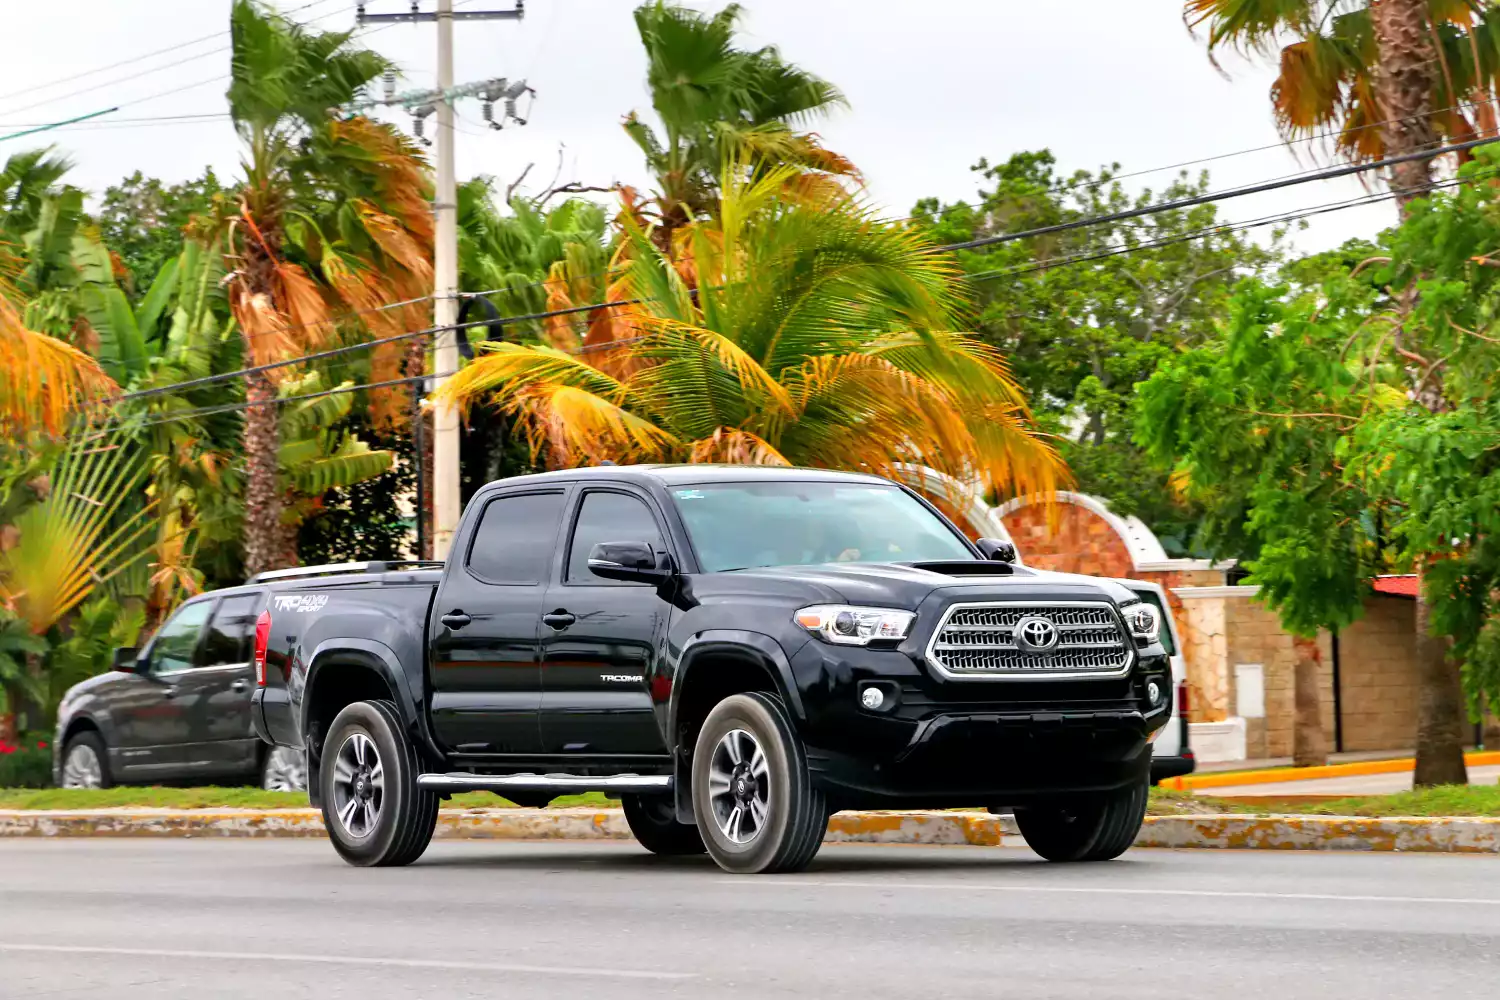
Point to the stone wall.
(1378, 676)
(1255, 636)
(1082, 542)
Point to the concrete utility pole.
(447, 502)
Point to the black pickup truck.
(736, 652)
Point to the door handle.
(455, 619)
(240, 685)
(559, 619)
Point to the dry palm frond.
(42, 379)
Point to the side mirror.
(126, 660)
(993, 548)
(633, 562)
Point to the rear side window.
(608, 517)
(228, 639)
(1167, 642)
(516, 538)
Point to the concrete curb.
(1464, 835)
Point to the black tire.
(1097, 827)
(90, 740)
(653, 821)
(793, 813)
(400, 818)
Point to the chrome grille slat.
(976, 641)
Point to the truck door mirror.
(634, 562)
(125, 660)
(993, 548)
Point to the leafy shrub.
(28, 765)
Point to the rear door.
(153, 711)
(222, 681)
(486, 679)
(599, 636)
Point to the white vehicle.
(1170, 755)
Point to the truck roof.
(676, 475)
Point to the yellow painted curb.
(1229, 779)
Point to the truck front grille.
(980, 641)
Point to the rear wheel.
(374, 812)
(756, 805)
(1096, 827)
(284, 770)
(85, 762)
(653, 821)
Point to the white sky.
(933, 87)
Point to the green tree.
(1087, 314)
(817, 336)
(144, 221)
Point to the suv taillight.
(1182, 700)
(262, 640)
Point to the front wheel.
(755, 802)
(653, 821)
(374, 812)
(1096, 827)
(85, 762)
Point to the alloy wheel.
(358, 785)
(81, 768)
(285, 771)
(739, 786)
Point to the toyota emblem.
(1035, 635)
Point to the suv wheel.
(374, 812)
(85, 762)
(653, 821)
(756, 805)
(285, 770)
(1098, 827)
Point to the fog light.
(1153, 692)
(872, 698)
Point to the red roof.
(1404, 585)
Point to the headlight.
(847, 626)
(1143, 621)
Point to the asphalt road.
(206, 919)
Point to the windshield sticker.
(301, 603)
(690, 494)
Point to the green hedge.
(28, 765)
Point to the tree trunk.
(1404, 83)
(1405, 77)
(1440, 707)
(1309, 742)
(1491, 730)
(263, 534)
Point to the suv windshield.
(744, 525)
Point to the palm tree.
(716, 101)
(816, 336)
(333, 217)
(1390, 77)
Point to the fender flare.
(383, 660)
(765, 649)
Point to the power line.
(1212, 196)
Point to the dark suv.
(177, 711)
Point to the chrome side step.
(562, 784)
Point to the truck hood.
(907, 585)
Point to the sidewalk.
(1367, 773)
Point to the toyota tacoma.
(734, 652)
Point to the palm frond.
(42, 379)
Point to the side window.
(228, 639)
(516, 538)
(176, 641)
(608, 517)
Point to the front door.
(486, 683)
(599, 638)
(154, 711)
